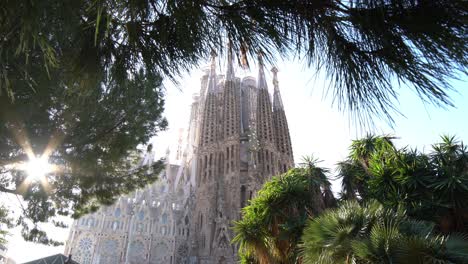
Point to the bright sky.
(316, 128)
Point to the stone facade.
(237, 139)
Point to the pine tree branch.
(6, 190)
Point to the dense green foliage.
(70, 92)
(89, 137)
(372, 233)
(272, 224)
(361, 45)
(5, 222)
(431, 186)
(396, 206)
(82, 78)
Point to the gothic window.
(221, 163)
(164, 218)
(109, 252)
(242, 196)
(83, 253)
(201, 221)
(137, 252)
(115, 225)
(90, 221)
(139, 227)
(182, 254)
(117, 212)
(141, 215)
(160, 254)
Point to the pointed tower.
(231, 119)
(282, 137)
(237, 152)
(265, 133)
(209, 117)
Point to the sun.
(37, 168)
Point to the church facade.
(238, 138)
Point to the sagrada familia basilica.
(237, 138)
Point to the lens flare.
(37, 168)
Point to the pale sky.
(316, 128)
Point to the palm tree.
(356, 170)
(371, 233)
(272, 224)
(449, 160)
(431, 187)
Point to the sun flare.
(37, 168)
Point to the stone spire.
(265, 131)
(230, 68)
(212, 77)
(277, 101)
(209, 113)
(282, 137)
(261, 81)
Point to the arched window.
(109, 252)
(242, 196)
(117, 212)
(115, 225)
(90, 221)
(164, 218)
(159, 253)
(141, 215)
(137, 252)
(83, 251)
(139, 227)
(201, 221)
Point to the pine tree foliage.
(91, 139)
(362, 45)
(5, 223)
(87, 73)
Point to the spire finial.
(212, 76)
(213, 59)
(260, 58)
(277, 101)
(230, 68)
(275, 71)
(261, 74)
